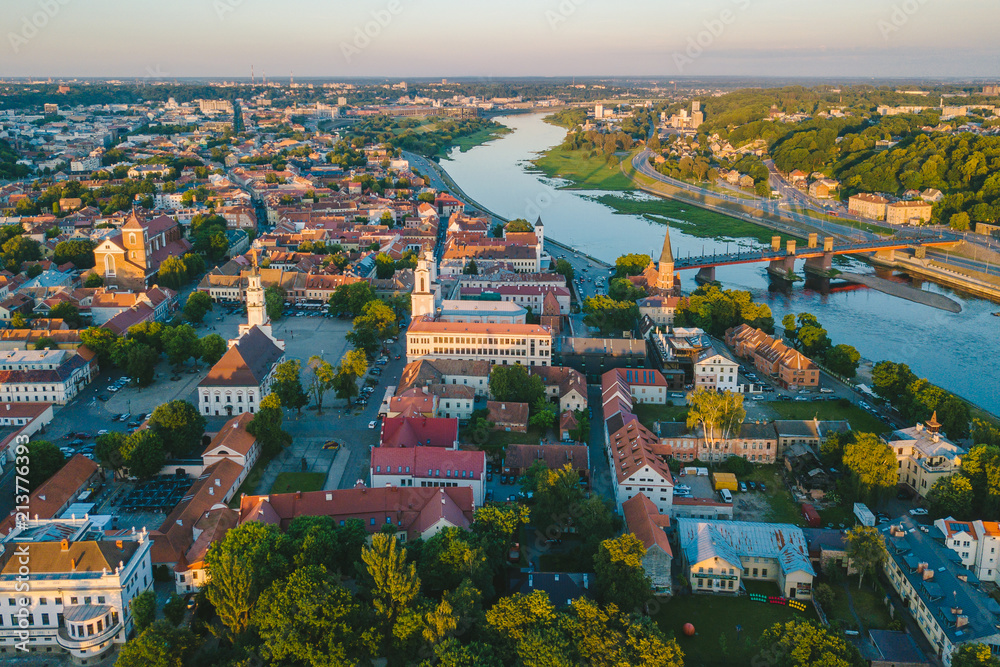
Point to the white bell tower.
(422, 299)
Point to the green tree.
(321, 380)
(973, 655)
(720, 415)
(266, 426)
(287, 385)
(100, 341)
(554, 491)
(353, 365)
(471, 269)
(959, 222)
(78, 251)
(865, 549)
(44, 460)
(610, 316)
(319, 541)
(198, 305)
(545, 415)
(519, 225)
(211, 348)
(274, 302)
(513, 384)
(142, 454)
(608, 637)
(621, 579)
(631, 265)
(173, 272)
(46, 343)
(393, 588)
(843, 360)
(375, 323)
(563, 267)
(180, 343)
(351, 298)
(385, 267)
(160, 645)
(149, 333)
(68, 312)
(180, 427)
(174, 609)
(451, 557)
(805, 644)
(622, 289)
(143, 608)
(19, 321)
(108, 451)
(871, 467)
(308, 619)
(244, 564)
(524, 629)
(194, 263)
(952, 497)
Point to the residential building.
(526, 344)
(594, 356)
(659, 309)
(413, 512)
(45, 376)
(945, 600)
(429, 467)
(58, 492)
(235, 443)
(449, 372)
(518, 458)
(17, 422)
(507, 416)
(415, 402)
(719, 555)
(131, 259)
(567, 386)
(868, 206)
(419, 431)
(915, 212)
(924, 455)
(79, 594)
(643, 519)
(791, 368)
(716, 370)
(977, 544)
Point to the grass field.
(649, 413)
(582, 172)
(860, 420)
(479, 138)
(689, 219)
(867, 605)
(715, 619)
(287, 482)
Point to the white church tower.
(256, 308)
(422, 299)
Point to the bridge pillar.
(791, 246)
(813, 240)
(821, 266)
(920, 252)
(705, 275)
(775, 243)
(783, 269)
(888, 255)
(827, 244)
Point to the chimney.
(64, 545)
(921, 567)
(119, 544)
(928, 574)
(298, 494)
(957, 611)
(961, 621)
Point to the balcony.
(86, 643)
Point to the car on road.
(103, 431)
(802, 398)
(124, 417)
(67, 451)
(83, 435)
(76, 443)
(373, 423)
(757, 397)
(684, 488)
(825, 390)
(676, 394)
(918, 511)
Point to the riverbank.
(581, 171)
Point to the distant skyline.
(449, 38)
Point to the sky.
(481, 38)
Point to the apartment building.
(977, 544)
(716, 370)
(504, 344)
(908, 213)
(44, 376)
(948, 606)
(868, 206)
(791, 368)
(924, 455)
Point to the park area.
(861, 421)
(717, 641)
(288, 482)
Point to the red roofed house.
(414, 512)
(446, 205)
(132, 259)
(415, 402)
(508, 416)
(235, 443)
(185, 535)
(420, 431)
(518, 458)
(426, 467)
(645, 522)
(57, 492)
(21, 419)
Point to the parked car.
(103, 431)
(752, 486)
(918, 511)
(743, 487)
(761, 486)
(331, 444)
(825, 390)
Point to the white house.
(80, 590)
(43, 376)
(715, 370)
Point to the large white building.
(715, 370)
(924, 455)
(504, 344)
(243, 376)
(977, 543)
(79, 588)
(44, 376)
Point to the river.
(956, 351)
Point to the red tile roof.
(429, 462)
(425, 431)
